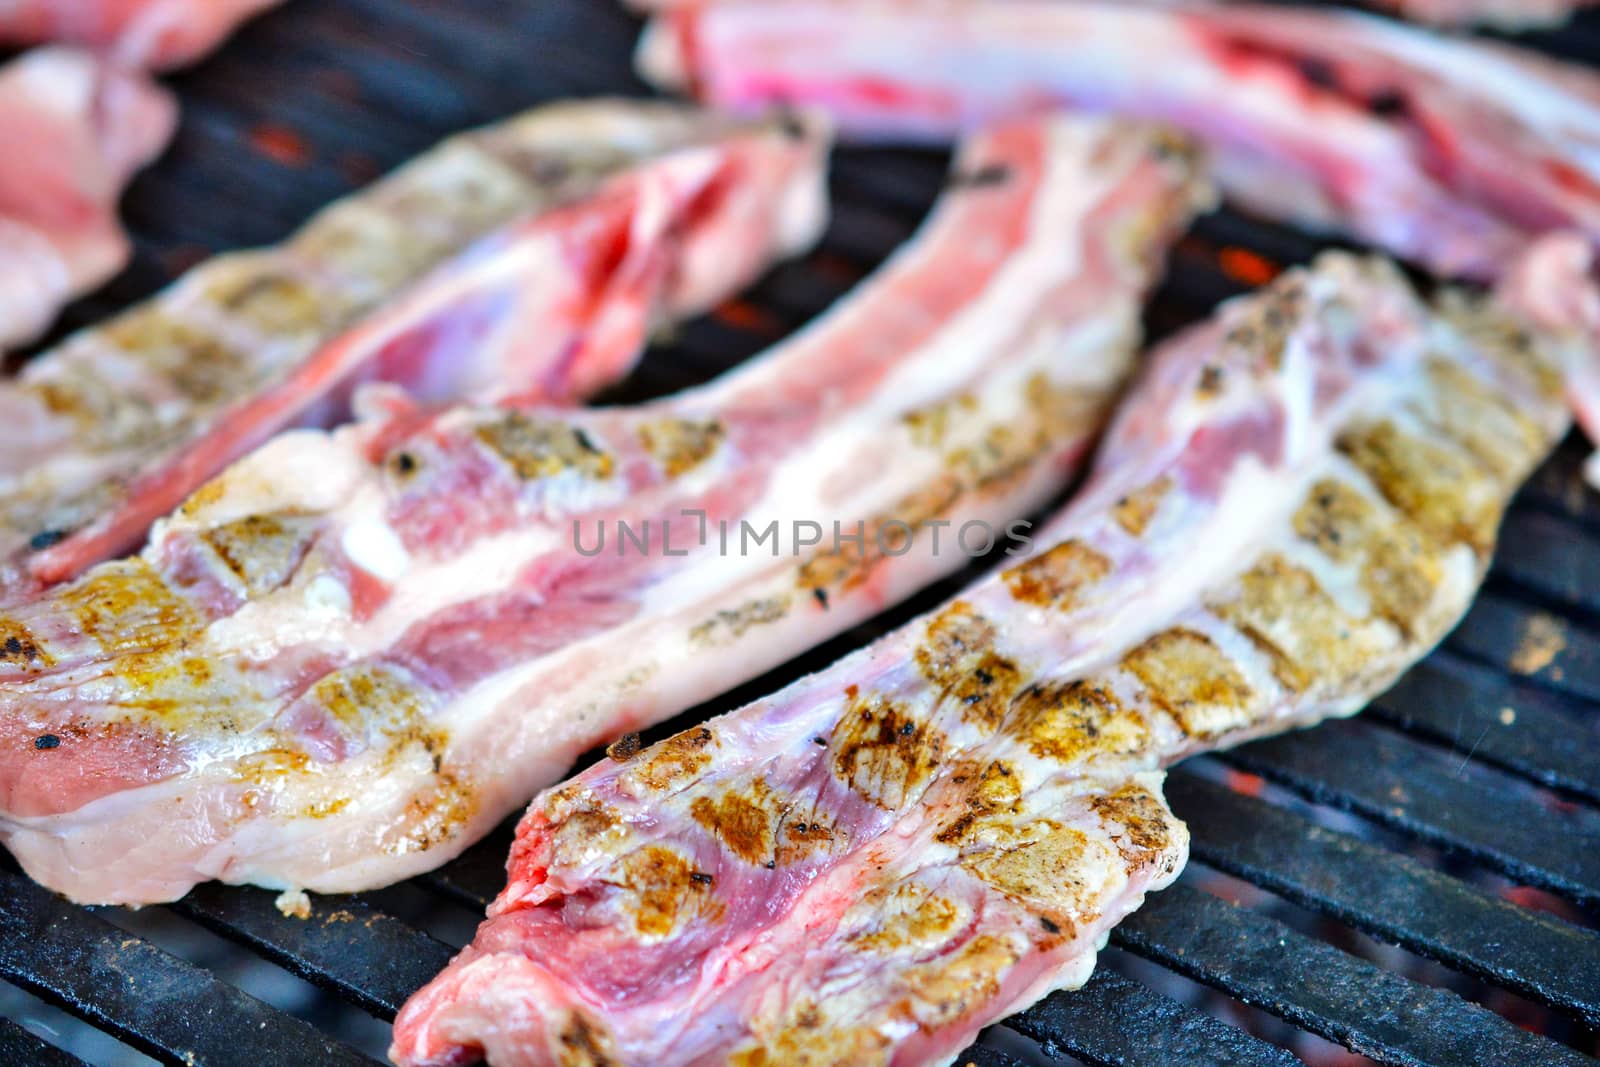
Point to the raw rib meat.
(74, 130)
(1450, 152)
(1502, 14)
(136, 33)
(353, 653)
(872, 864)
(676, 209)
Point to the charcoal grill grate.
(1485, 758)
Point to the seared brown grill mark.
(663, 892)
(677, 759)
(929, 426)
(77, 396)
(19, 649)
(848, 566)
(1186, 675)
(1052, 412)
(883, 753)
(1266, 329)
(744, 820)
(1073, 722)
(1047, 866)
(944, 990)
(201, 366)
(1400, 569)
(1286, 613)
(728, 625)
(681, 445)
(1059, 577)
(370, 699)
(1439, 488)
(983, 791)
(433, 816)
(586, 832)
(469, 189)
(544, 448)
(278, 303)
(261, 550)
(1142, 826)
(958, 656)
(1503, 337)
(803, 831)
(584, 1045)
(907, 917)
(806, 1034)
(1134, 511)
(1482, 420)
(127, 606)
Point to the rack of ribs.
(472, 273)
(354, 652)
(1450, 152)
(1295, 503)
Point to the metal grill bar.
(1455, 702)
(1437, 797)
(1520, 639)
(147, 997)
(988, 1057)
(1318, 987)
(1554, 557)
(1391, 896)
(371, 959)
(1114, 1021)
(1558, 487)
(21, 1047)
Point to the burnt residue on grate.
(1458, 818)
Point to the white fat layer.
(373, 546)
(1341, 581)
(301, 471)
(1483, 73)
(1251, 507)
(805, 489)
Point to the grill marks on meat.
(1450, 152)
(640, 210)
(1292, 507)
(136, 33)
(76, 128)
(343, 626)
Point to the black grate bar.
(476, 877)
(346, 945)
(1440, 797)
(1531, 642)
(1558, 486)
(1319, 988)
(1552, 556)
(979, 1056)
(19, 1047)
(1502, 721)
(1391, 896)
(1116, 1022)
(149, 998)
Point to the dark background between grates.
(1458, 819)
